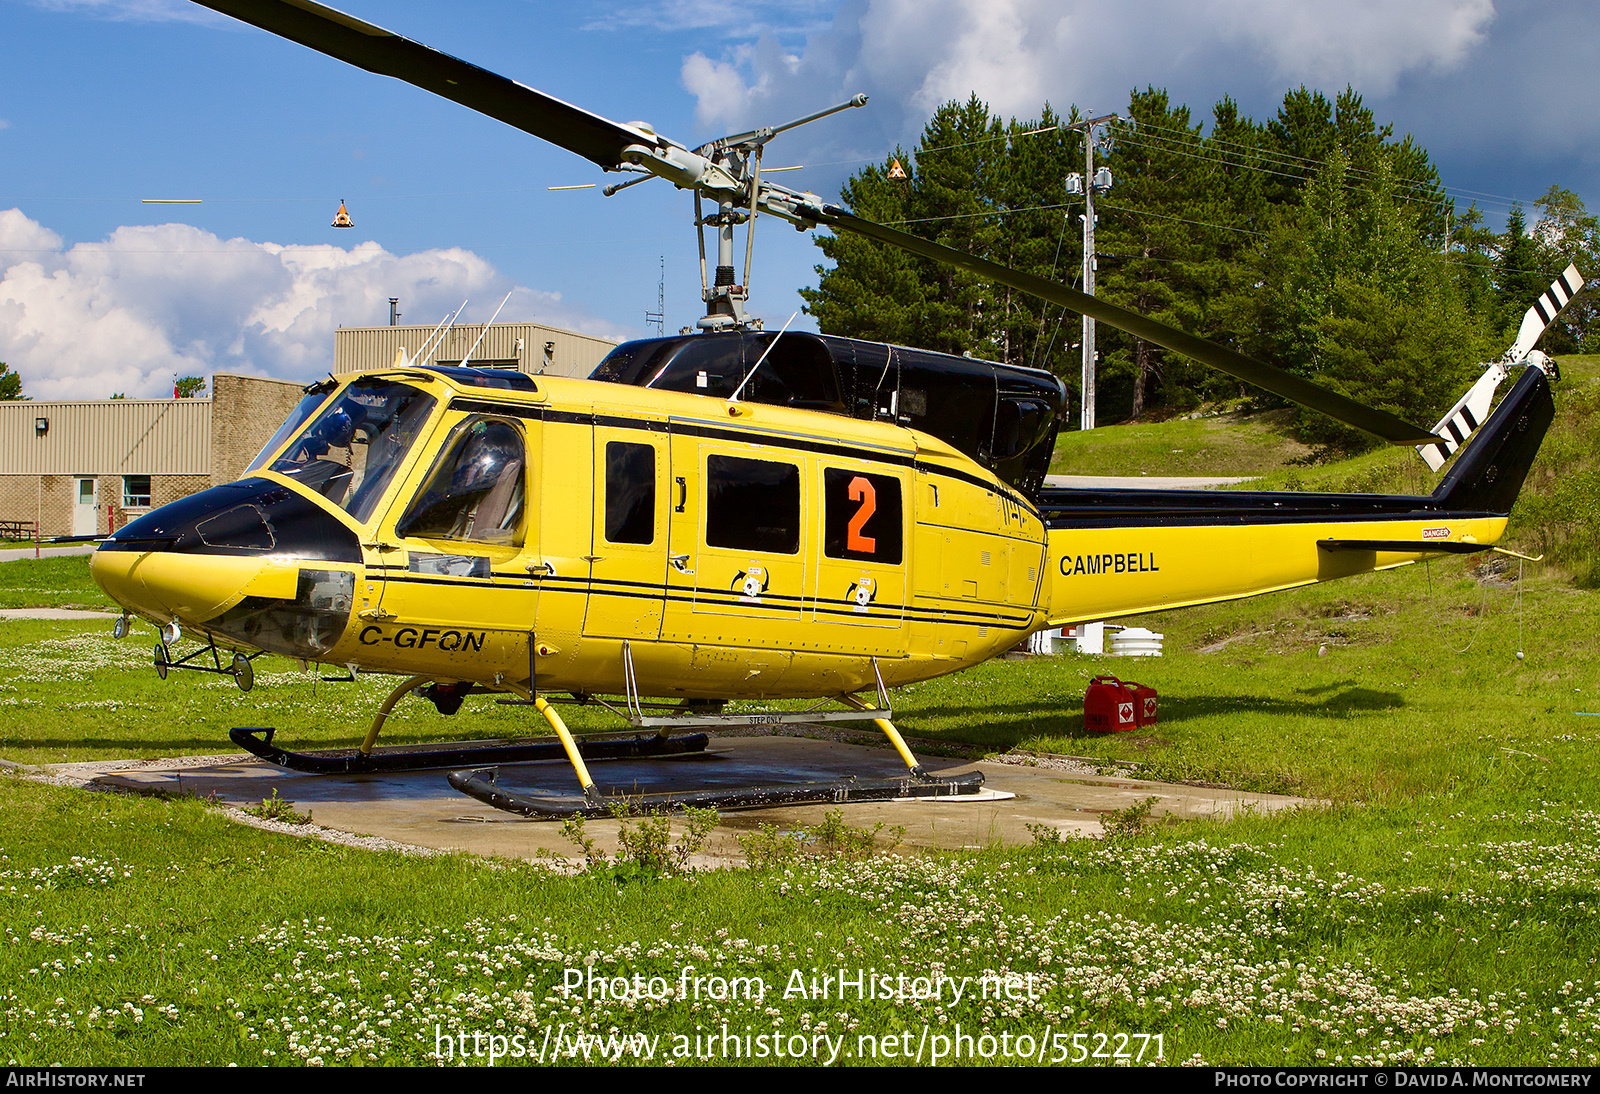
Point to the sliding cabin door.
(738, 548)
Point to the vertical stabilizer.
(1489, 473)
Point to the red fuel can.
(1109, 706)
(1144, 704)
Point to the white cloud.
(913, 55)
(1370, 44)
(153, 302)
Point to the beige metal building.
(527, 347)
(85, 468)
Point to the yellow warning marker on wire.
(341, 219)
(896, 171)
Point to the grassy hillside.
(1214, 441)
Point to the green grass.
(1451, 882)
(1222, 445)
(59, 582)
(1457, 926)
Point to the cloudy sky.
(105, 103)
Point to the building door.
(83, 522)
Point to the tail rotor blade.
(1544, 311)
(1473, 407)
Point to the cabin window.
(476, 490)
(861, 516)
(630, 492)
(752, 505)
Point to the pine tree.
(974, 184)
(1566, 233)
(1316, 242)
(1520, 273)
(1153, 237)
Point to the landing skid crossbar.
(257, 741)
(760, 718)
(480, 784)
(634, 708)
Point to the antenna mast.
(659, 316)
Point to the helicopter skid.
(480, 784)
(258, 741)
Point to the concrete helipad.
(421, 809)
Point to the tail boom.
(1122, 552)
(1098, 573)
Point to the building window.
(136, 491)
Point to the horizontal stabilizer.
(1406, 546)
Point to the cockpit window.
(304, 410)
(476, 490)
(351, 451)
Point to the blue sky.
(106, 102)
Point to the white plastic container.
(1136, 642)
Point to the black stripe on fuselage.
(1135, 509)
(769, 602)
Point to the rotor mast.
(736, 158)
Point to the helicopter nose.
(195, 559)
(191, 589)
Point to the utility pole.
(1089, 185)
(1086, 419)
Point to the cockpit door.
(458, 598)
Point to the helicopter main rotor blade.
(388, 54)
(1235, 364)
(612, 145)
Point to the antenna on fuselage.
(485, 329)
(439, 332)
(734, 398)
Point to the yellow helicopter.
(732, 514)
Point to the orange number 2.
(861, 490)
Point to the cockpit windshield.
(351, 451)
(307, 406)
